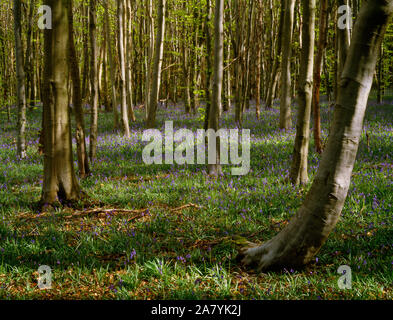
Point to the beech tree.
(215, 168)
(123, 88)
(285, 97)
(157, 65)
(322, 42)
(20, 73)
(60, 182)
(343, 36)
(298, 243)
(111, 66)
(93, 79)
(83, 160)
(298, 173)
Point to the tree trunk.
(299, 170)
(218, 72)
(93, 81)
(150, 52)
(258, 40)
(247, 60)
(298, 243)
(83, 160)
(85, 41)
(343, 45)
(157, 64)
(20, 74)
(130, 100)
(240, 49)
(111, 68)
(285, 98)
(380, 77)
(123, 89)
(322, 42)
(208, 64)
(186, 58)
(272, 85)
(28, 60)
(60, 182)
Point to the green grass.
(168, 250)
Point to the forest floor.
(183, 231)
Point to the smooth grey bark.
(344, 42)
(299, 169)
(83, 159)
(93, 80)
(218, 74)
(30, 93)
(287, 35)
(5, 67)
(123, 88)
(247, 62)
(60, 182)
(208, 64)
(322, 43)
(20, 75)
(128, 47)
(298, 243)
(111, 67)
(186, 68)
(85, 41)
(157, 65)
(149, 56)
(271, 90)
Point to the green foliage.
(189, 253)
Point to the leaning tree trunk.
(299, 174)
(20, 75)
(60, 182)
(215, 168)
(157, 64)
(300, 241)
(285, 98)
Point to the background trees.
(116, 43)
(213, 57)
(297, 244)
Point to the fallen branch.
(102, 212)
(189, 205)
